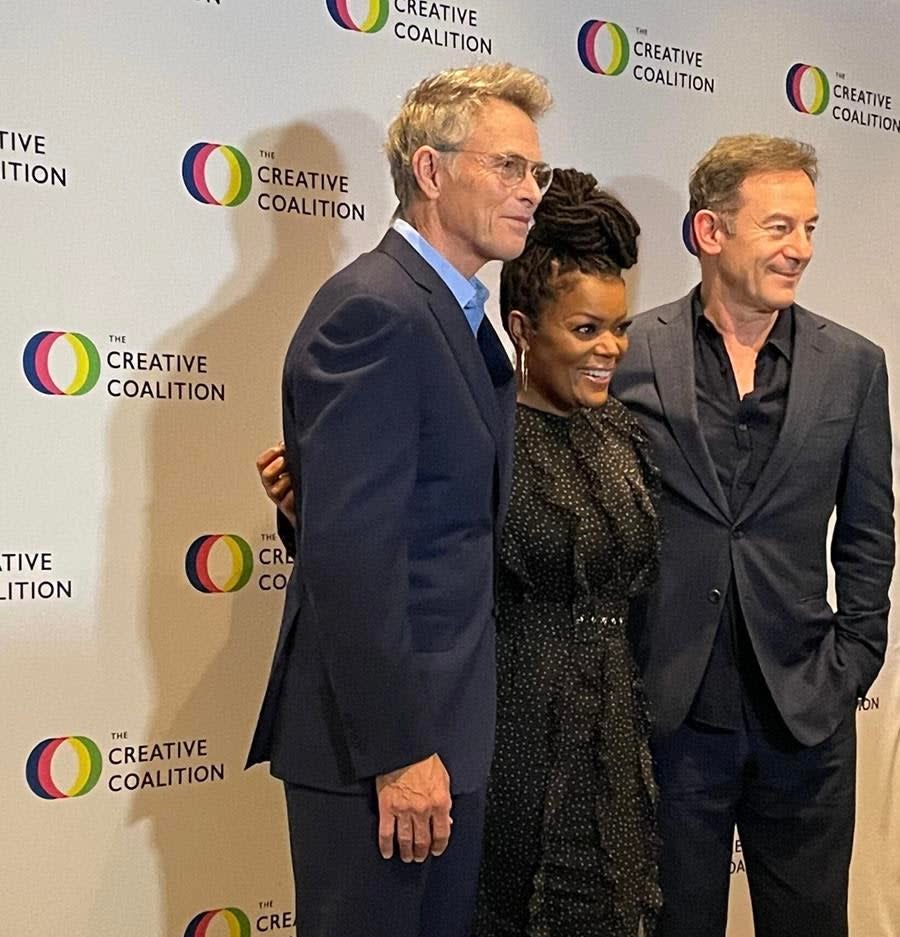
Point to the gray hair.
(440, 109)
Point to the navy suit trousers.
(344, 888)
(794, 807)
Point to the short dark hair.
(716, 180)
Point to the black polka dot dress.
(570, 846)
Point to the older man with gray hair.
(397, 409)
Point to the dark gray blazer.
(833, 454)
(399, 441)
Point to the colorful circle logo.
(817, 90)
(687, 233)
(39, 767)
(619, 48)
(238, 922)
(375, 20)
(36, 363)
(193, 172)
(196, 563)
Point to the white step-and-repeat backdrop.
(176, 179)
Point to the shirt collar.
(781, 338)
(471, 294)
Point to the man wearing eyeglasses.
(398, 404)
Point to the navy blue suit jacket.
(398, 429)
(833, 455)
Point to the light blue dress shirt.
(470, 294)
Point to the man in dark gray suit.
(398, 408)
(766, 420)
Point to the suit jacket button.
(714, 596)
(737, 533)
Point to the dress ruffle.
(572, 766)
(590, 434)
(603, 690)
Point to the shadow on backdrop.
(219, 843)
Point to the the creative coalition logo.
(807, 88)
(194, 174)
(39, 767)
(809, 91)
(605, 49)
(197, 563)
(375, 19)
(269, 920)
(287, 189)
(69, 364)
(18, 150)
(434, 24)
(687, 233)
(35, 584)
(238, 922)
(615, 57)
(70, 766)
(217, 563)
(83, 369)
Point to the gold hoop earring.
(523, 370)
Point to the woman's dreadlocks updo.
(577, 227)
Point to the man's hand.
(276, 480)
(415, 803)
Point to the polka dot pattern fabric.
(570, 844)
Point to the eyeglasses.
(510, 167)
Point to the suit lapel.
(672, 351)
(480, 372)
(444, 307)
(809, 370)
(504, 386)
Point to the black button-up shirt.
(740, 434)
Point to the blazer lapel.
(473, 364)
(672, 351)
(809, 370)
(481, 372)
